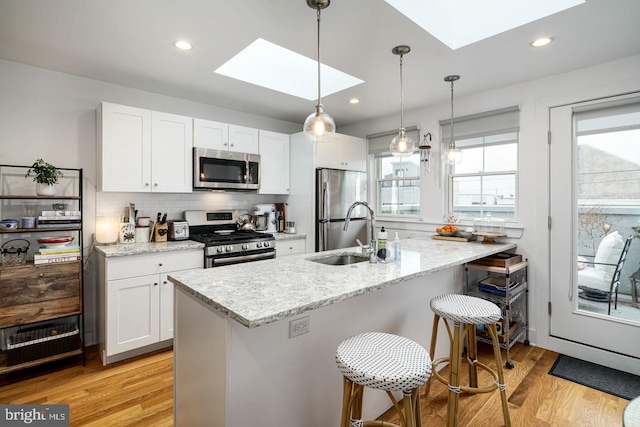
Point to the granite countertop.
(285, 236)
(125, 249)
(261, 292)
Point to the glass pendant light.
(319, 126)
(453, 155)
(402, 145)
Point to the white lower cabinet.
(138, 301)
(290, 247)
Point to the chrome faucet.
(371, 251)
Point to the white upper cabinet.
(142, 150)
(210, 134)
(171, 153)
(243, 139)
(274, 161)
(343, 152)
(223, 136)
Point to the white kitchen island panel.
(229, 375)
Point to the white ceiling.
(129, 42)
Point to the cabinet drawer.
(141, 265)
(290, 247)
(39, 311)
(35, 283)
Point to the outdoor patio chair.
(599, 279)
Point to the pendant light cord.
(318, 14)
(401, 97)
(451, 143)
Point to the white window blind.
(505, 120)
(616, 116)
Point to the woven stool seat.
(383, 361)
(465, 309)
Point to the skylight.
(458, 23)
(268, 65)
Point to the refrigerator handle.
(325, 209)
(325, 212)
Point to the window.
(485, 181)
(397, 179)
(398, 184)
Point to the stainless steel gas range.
(224, 243)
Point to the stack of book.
(60, 219)
(57, 254)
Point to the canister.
(142, 234)
(127, 232)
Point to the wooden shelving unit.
(31, 294)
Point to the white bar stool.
(466, 312)
(383, 362)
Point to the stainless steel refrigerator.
(336, 190)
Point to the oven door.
(217, 261)
(217, 169)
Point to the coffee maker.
(268, 212)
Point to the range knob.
(219, 249)
(245, 246)
(259, 244)
(229, 248)
(267, 244)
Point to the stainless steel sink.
(343, 259)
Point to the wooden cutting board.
(453, 238)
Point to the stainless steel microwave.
(225, 170)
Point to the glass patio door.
(594, 207)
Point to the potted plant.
(46, 175)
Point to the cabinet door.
(166, 308)
(343, 152)
(328, 154)
(209, 134)
(274, 160)
(124, 148)
(353, 152)
(243, 139)
(171, 153)
(132, 313)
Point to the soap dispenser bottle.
(382, 244)
(396, 248)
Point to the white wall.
(51, 115)
(534, 99)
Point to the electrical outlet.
(457, 273)
(299, 326)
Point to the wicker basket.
(42, 341)
(12, 255)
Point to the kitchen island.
(235, 363)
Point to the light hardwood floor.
(140, 392)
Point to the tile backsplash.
(149, 204)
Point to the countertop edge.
(126, 249)
(328, 301)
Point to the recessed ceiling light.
(542, 41)
(271, 66)
(182, 45)
(354, 101)
(458, 23)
